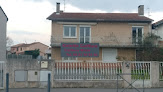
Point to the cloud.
(27, 18)
(29, 37)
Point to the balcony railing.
(102, 40)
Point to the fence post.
(126, 68)
(49, 82)
(7, 82)
(154, 74)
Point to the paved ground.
(82, 90)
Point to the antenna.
(148, 9)
(64, 5)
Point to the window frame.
(70, 31)
(69, 59)
(84, 33)
(137, 34)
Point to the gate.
(130, 84)
(2, 63)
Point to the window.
(137, 35)
(69, 59)
(69, 31)
(84, 35)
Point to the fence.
(14, 56)
(138, 68)
(86, 70)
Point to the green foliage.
(149, 51)
(35, 53)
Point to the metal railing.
(102, 40)
(138, 68)
(87, 70)
(14, 56)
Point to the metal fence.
(2, 63)
(87, 70)
(138, 68)
(14, 56)
(161, 70)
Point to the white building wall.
(3, 21)
(159, 31)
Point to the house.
(48, 53)
(157, 28)
(3, 25)
(22, 47)
(3, 28)
(118, 34)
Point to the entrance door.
(1, 74)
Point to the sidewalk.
(81, 90)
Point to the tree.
(35, 53)
(148, 50)
(9, 43)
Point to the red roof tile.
(98, 17)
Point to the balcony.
(103, 41)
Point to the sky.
(27, 18)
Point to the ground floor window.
(69, 59)
(109, 55)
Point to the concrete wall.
(37, 80)
(13, 65)
(3, 24)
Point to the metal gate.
(130, 87)
(2, 63)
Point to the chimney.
(58, 8)
(141, 10)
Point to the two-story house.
(118, 34)
(3, 28)
(21, 48)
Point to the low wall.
(34, 76)
(88, 84)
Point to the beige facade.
(108, 34)
(103, 33)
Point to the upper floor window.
(85, 34)
(69, 31)
(137, 35)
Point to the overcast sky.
(27, 18)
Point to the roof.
(98, 17)
(26, 45)
(4, 13)
(158, 23)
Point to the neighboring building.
(3, 28)
(118, 34)
(158, 30)
(3, 24)
(21, 48)
(48, 53)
